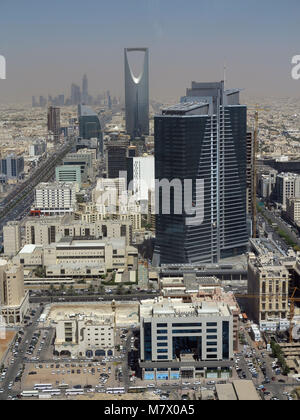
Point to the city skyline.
(255, 41)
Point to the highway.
(18, 203)
(19, 360)
(94, 298)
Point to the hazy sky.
(50, 44)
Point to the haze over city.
(47, 45)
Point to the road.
(19, 201)
(282, 225)
(95, 298)
(19, 360)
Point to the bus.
(63, 386)
(74, 391)
(115, 390)
(137, 389)
(29, 393)
(40, 387)
(52, 391)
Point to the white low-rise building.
(85, 336)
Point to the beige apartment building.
(46, 230)
(14, 301)
(12, 238)
(268, 283)
(85, 336)
(293, 209)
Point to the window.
(211, 331)
(162, 351)
(162, 357)
(162, 331)
(187, 331)
(211, 324)
(163, 337)
(212, 337)
(213, 350)
(162, 344)
(212, 343)
(162, 325)
(196, 324)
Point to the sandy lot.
(4, 344)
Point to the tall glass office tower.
(89, 125)
(137, 96)
(204, 139)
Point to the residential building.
(287, 186)
(293, 209)
(14, 301)
(12, 238)
(268, 282)
(55, 198)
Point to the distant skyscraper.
(75, 95)
(109, 103)
(43, 102)
(34, 104)
(54, 122)
(202, 140)
(85, 90)
(89, 125)
(137, 96)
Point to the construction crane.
(254, 168)
(291, 299)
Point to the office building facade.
(12, 166)
(89, 125)
(68, 173)
(203, 141)
(116, 158)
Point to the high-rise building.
(90, 126)
(137, 96)
(140, 173)
(287, 186)
(12, 238)
(55, 198)
(250, 171)
(200, 146)
(42, 101)
(268, 280)
(116, 158)
(85, 90)
(54, 122)
(14, 301)
(75, 94)
(12, 166)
